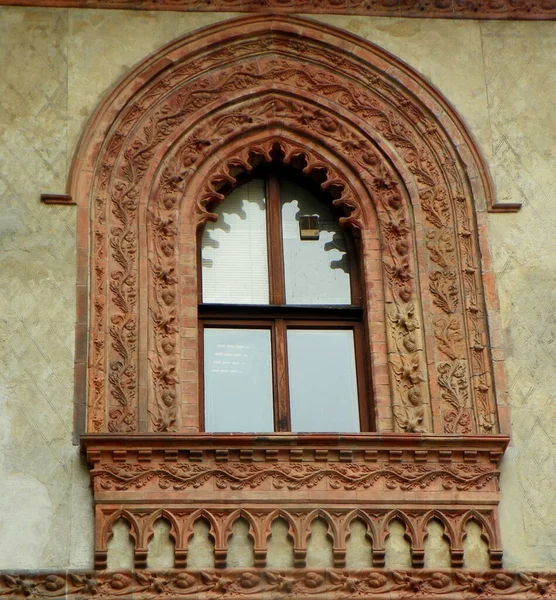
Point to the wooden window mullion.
(281, 383)
(275, 246)
(278, 298)
(366, 417)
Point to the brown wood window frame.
(279, 317)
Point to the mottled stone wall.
(55, 66)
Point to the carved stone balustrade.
(376, 478)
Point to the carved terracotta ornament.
(301, 583)
(402, 168)
(461, 9)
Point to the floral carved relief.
(365, 115)
(448, 327)
(180, 476)
(268, 583)
(163, 411)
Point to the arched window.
(280, 307)
(281, 313)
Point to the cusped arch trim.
(380, 113)
(147, 74)
(169, 203)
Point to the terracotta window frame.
(160, 152)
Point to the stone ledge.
(209, 444)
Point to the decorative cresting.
(389, 149)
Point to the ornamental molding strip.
(163, 149)
(526, 10)
(323, 584)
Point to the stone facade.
(57, 63)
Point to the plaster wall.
(55, 66)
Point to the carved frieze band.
(365, 110)
(239, 476)
(371, 463)
(440, 9)
(272, 584)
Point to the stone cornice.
(281, 463)
(294, 462)
(361, 447)
(527, 10)
(317, 584)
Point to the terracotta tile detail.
(430, 9)
(316, 584)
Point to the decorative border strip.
(519, 10)
(327, 584)
(240, 476)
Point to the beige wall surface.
(55, 64)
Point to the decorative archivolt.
(388, 148)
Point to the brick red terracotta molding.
(158, 154)
(164, 141)
(527, 10)
(302, 584)
(371, 477)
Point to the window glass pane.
(238, 380)
(234, 250)
(323, 384)
(316, 270)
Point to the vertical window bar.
(278, 297)
(281, 382)
(275, 250)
